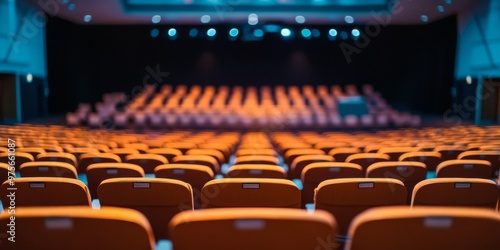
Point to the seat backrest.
(256, 159)
(168, 153)
(367, 159)
(450, 152)
(346, 198)
(256, 171)
(20, 158)
(488, 155)
(300, 162)
(78, 228)
(123, 152)
(91, 158)
(5, 172)
(464, 168)
(48, 169)
(424, 228)
(396, 152)
(148, 162)
(313, 174)
(211, 152)
(470, 192)
(409, 172)
(341, 154)
(250, 192)
(182, 146)
(158, 199)
(58, 157)
(256, 151)
(253, 228)
(195, 175)
(34, 151)
(46, 191)
(291, 154)
(98, 172)
(430, 159)
(205, 160)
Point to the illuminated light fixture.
(234, 32)
(172, 32)
(87, 18)
(306, 33)
(332, 32)
(205, 19)
(193, 32)
(440, 8)
(72, 6)
(468, 79)
(258, 33)
(424, 18)
(286, 32)
(155, 32)
(300, 19)
(315, 33)
(211, 32)
(448, 1)
(156, 19)
(29, 77)
(349, 19)
(253, 19)
(355, 32)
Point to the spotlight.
(258, 33)
(300, 19)
(234, 32)
(156, 19)
(29, 77)
(205, 18)
(315, 33)
(172, 32)
(349, 19)
(306, 33)
(253, 19)
(468, 79)
(332, 32)
(424, 18)
(193, 32)
(87, 18)
(355, 32)
(155, 33)
(440, 8)
(72, 6)
(286, 32)
(211, 32)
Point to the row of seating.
(160, 199)
(390, 228)
(198, 106)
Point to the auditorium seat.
(4, 172)
(196, 175)
(59, 157)
(327, 146)
(424, 228)
(20, 158)
(492, 156)
(91, 158)
(79, 228)
(300, 162)
(346, 198)
(313, 174)
(98, 172)
(34, 151)
(449, 152)
(250, 192)
(124, 152)
(464, 168)
(255, 151)
(148, 162)
(291, 154)
(256, 171)
(46, 191)
(395, 152)
(470, 192)
(367, 159)
(409, 172)
(158, 199)
(48, 169)
(340, 154)
(218, 155)
(168, 153)
(182, 146)
(256, 159)
(430, 159)
(141, 147)
(205, 160)
(253, 228)
(77, 151)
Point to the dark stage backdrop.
(413, 66)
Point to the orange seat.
(489, 155)
(91, 158)
(210, 152)
(205, 160)
(48, 169)
(291, 154)
(19, 158)
(168, 153)
(256, 171)
(430, 159)
(256, 159)
(58, 157)
(367, 159)
(98, 172)
(341, 154)
(395, 152)
(148, 162)
(123, 152)
(464, 168)
(302, 161)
